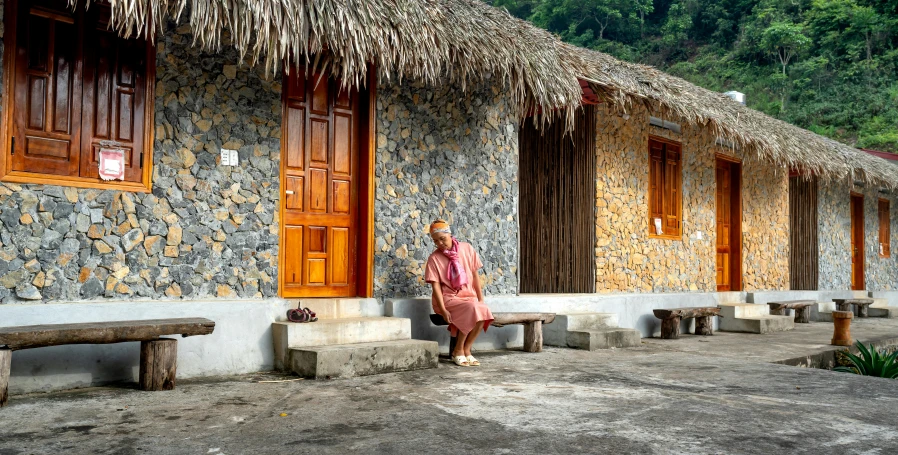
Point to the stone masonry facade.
(205, 230)
(628, 260)
(834, 219)
(442, 154)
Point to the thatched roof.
(422, 39)
(623, 84)
(467, 40)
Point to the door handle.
(289, 192)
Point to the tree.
(676, 28)
(784, 40)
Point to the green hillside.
(830, 66)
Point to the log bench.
(802, 309)
(860, 304)
(671, 317)
(533, 327)
(158, 356)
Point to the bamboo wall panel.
(804, 252)
(557, 211)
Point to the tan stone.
(174, 235)
(96, 231)
(225, 291)
(174, 290)
(102, 247)
(71, 194)
(171, 252)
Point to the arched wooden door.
(321, 175)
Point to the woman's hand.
(445, 313)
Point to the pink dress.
(462, 304)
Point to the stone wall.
(442, 153)
(628, 260)
(834, 234)
(205, 230)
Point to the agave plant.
(871, 363)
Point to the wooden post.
(670, 328)
(803, 315)
(703, 325)
(5, 365)
(158, 364)
(533, 336)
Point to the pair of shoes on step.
(466, 361)
(301, 315)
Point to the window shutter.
(114, 96)
(656, 183)
(884, 225)
(672, 189)
(47, 92)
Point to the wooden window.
(75, 86)
(885, 237)
(665, 193)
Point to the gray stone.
(91, 288)
(27, 291)
(14, 278)
(131, 239)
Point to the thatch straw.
(464, 42)
(436, 41)
(622, 84)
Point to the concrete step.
(590, 340)
(743, 310)
(555, 334)
(757, 324)
(363, 359)
(328, 332)
(340, 308)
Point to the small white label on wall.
(229, 157)
(658, 230)
(699, 235)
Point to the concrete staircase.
(881, 309)
(589, 331)
(752, 318)
(351, 338)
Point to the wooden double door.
(729, 225)
(320, 187)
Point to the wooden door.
(729, 225)
(319, 190)
(47, 96)
(857, 242)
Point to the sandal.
(461, 361)
(296, 315)
(312, 316)
(472, 361)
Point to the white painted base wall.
(242, 342)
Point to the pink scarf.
(456, 272)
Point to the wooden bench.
(861, 304)
(671, 317)
(158, 356)
(802, 309)
(533, 327)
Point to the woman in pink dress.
(457, 296)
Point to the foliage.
(871, 363)
(833, 63)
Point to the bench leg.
(533, 336)
(5, 365)
(803, 315)
(778, 312)
(452, 342)
(703, 326)
(862, 311)
(158, 364)
(670, 328)
(843, 307)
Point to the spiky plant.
(871, 363)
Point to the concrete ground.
(700, 395)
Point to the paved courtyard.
(694, 395)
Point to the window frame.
(886, 251)
(678, 235)
(7, 122)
